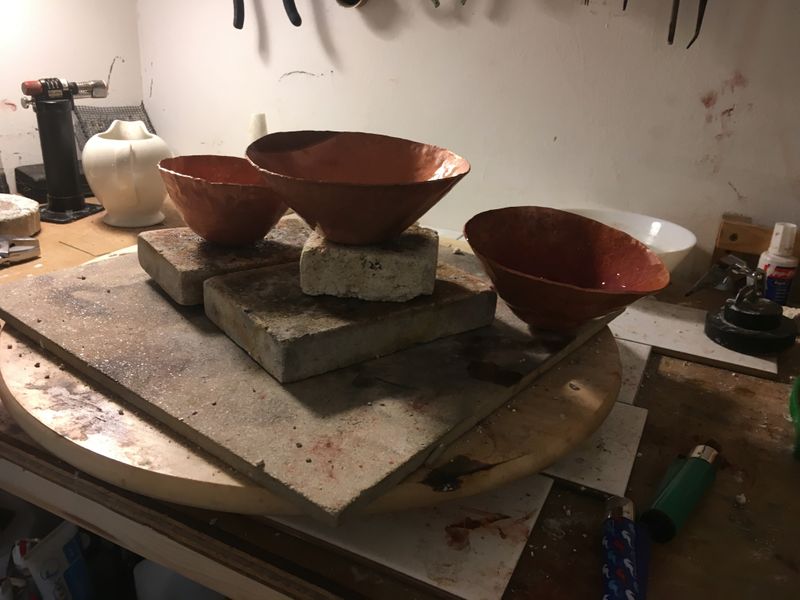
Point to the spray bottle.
(779, 263)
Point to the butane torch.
(52, 100)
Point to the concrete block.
(19, 216)
(396, 271)
(295, 336)
(179, 260)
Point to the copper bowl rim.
(260, 184)
(456, 176)
(625, 292)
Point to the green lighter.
(679, 492)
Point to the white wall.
(75, 39)
(553, 102)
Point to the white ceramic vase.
(121, 167)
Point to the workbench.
(727, 549)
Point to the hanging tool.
(288, 5)
(673, 21)
(238, 13)
(701, 11)
(17, 249)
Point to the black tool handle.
(291, 12)
(701, 11)
(238, 13)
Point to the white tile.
(467, 547)
(633, 358)
(679, 331)
(604, 461)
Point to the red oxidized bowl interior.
(357, 188)
(556, 269)
(223, 199)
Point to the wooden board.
(102, 435)
(744, 238)
(679, 331)
(359, 430)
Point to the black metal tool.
(673, 21)
(291, 12)
(238, 14)
(52, 101)
(747, 323)
(701, 11)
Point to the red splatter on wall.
(709, 99)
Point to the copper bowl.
(357, 188)
(223, 199)
(556, 270)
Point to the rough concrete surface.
(19, 216)
(179, 260)
(395, 271)
(329, 443)
(295, 336)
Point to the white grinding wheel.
(19, 216)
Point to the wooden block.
(295, 336)
(744, 238)
(179, 260)
(467, 548)
(328, 444)
(679, 331)
(604, 461)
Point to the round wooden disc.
(105, 437)
(19, 216)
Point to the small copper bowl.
(357, 188)
(223, 199)
(556, 270)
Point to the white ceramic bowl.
(671, 242)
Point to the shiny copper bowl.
(223, 199)
(358, 188)
(556, 270)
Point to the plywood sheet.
(679, 331)
(329, 443)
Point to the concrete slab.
(633, 357)
(329, 444)
(396, 271)
(295, 336)
(468, 547)
(679, 331)
(604, 461)
(179, 260)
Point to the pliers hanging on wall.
(673, 22)
(288, 5)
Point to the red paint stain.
(8, 105)
(458, 533)
(736, 80)
(709, 99)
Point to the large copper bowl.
(358, 188)
(556, 270)
(223, 199)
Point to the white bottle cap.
(257, 127)
(782, 242)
